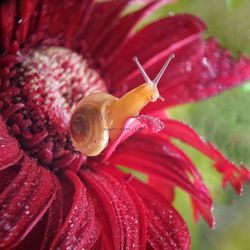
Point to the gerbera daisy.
(54, 53)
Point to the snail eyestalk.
(160, 74)
(143, 72)
(109, 114)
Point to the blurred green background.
(223, 120)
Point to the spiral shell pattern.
(89, 124)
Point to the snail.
(98, 118)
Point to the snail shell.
(90, 125)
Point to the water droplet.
(204, 61)
(7, 226)
(188, 67)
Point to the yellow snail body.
(99, 117)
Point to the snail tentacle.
(161, 72)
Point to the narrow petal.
(102, 18)
(166, 229)
(7, 24)
(52, 225)
(80, 229)
(9, 147)
(7, 175)
(19, 21)
(35, 236)
(120, 211)
(122, 29)
(77, 22)
(69, 23)
(235, 176)
(163, 187)
(24, 202)
(35, 22)
(28, 13)
(44, 232)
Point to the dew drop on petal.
(7, 226)
(153, 124)
(188, 66)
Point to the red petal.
(24, 202)
(131, 126)
(80, 229)
(167, 164)
(220, 71)
(9, 148)
(120, 210)
(35, 237)
(74, 13)
(166, 229)
(230, 172)
(52, 225)
(103, 15)
(7, 175)
(28, 12)
(201, 209)
(122, 30)
(155, 162)
(162, 186)
(33, 21)
(77, 22)
(7, 23)
(155, 41)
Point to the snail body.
(99, 117)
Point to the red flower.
(51, 196)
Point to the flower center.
(47, 84)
